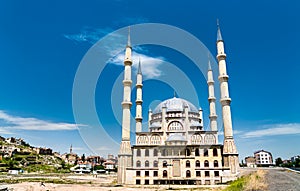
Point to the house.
(250, 162)
(263, 158)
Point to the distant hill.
(16, 154)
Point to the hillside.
(29, 159)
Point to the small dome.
(176, 137)
(155, 124)
(195, 123)
(175, 104)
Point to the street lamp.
(168, 174)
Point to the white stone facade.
(176, 149)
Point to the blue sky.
(43, 42)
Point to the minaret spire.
(128, 38)
(219, 35)
(71, 149)
(211, 98)
(209, 65)
(230, 154)
(125, 153)
(139, 67)
(139, 100)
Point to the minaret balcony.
(213, 117)
(221, 56)
(211, 98)
(127, 62)
(210, 82)
(127, 82)
(223, 78)
(139, 85)
(139, 101)
(126, 104)
(225, 101)
(139, 118)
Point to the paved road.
(283, 180)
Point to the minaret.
(230, 154)
(149, 117)
(125, 153)
(139, 100)
(211, 99)
(71, 149)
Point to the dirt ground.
(282, 179)
(33, 186)
(99, 183)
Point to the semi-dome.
(175, 104)
(176, 137)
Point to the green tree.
(11, 164)
(297, 162)
(63, 164)
(98, 167)
(83, 158)
(278, 161)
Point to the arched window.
(206, 152)
(197, 163)
(147, 152)
(138, 163)
(206, 163)
(209, 139)
(187, 164)
(142, 140)
(155, 152)
(146, 163)
(188, 174)
(175, 126)
(155, 163)
(196, 139)
(216, 164)
(215, 152)
(165, 163)
(188, 152)
(138, 152)
(197, 153)
(155, 140)
(165, 174)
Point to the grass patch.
(253, 181)
(237, 185)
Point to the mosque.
(176, 149)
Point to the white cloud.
(103, 148)
(235, 132)
(77, 148)
(87, 34)
(149, 64)
(275, 129)
(9, 122)
(92, 35)
(5, 132)
(115, 50)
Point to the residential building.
(263, 158)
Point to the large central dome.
(175, 104)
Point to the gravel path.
(283, 180)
